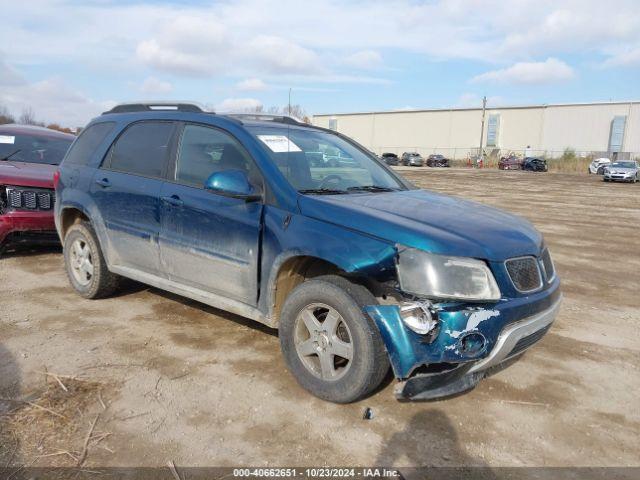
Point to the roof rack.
(155, 106)
(266, 117)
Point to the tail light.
(56, 178)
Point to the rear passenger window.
(142, 149)
(87, 142)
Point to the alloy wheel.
(81, 262)
(323, 341)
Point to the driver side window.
(204, 151)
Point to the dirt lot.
(168, 379)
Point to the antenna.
(289, 101)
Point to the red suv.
(510, 162)
(28, 159)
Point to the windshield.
(623, 165)
(34, 149)
(318, 162)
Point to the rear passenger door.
(210, 241)
(126, 189)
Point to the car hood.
(27, 174)
(429, 221)
(621, 170)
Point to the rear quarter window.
(87, 142)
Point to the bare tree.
(55, 126)
(28, 117)
(5, 115)
(297, 111)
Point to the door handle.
(104, 182)
(173, 200)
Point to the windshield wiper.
(371, 188)
(7, 157)
(322, 191)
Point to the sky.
(70, 60)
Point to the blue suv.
(306, 231)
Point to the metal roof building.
(601, 128)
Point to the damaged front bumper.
(442, 366)
(26, 226)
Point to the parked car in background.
(510, 162)
(437, 160)
(598, 165)
(29, 157)
(357, 269)
(412, 159)
(390, 158)
(534, 164)
(624, 171)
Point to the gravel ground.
(186, 383)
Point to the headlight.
(440, 276)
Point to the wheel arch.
(289, 272)
(70, 215)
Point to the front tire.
(85, 265)
(332, 348)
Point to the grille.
(547, 263)
(524, 273)
(30, 199)
(526, 342)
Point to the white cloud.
(52, 100)
(277, 54)
(238, 105)
(364, 59)
(251, 85)
(185, 45)
(551, 70)
(628, 58)
(154, 85)
(493, 31)
(9, 76)
(171, 60)
(279, 42)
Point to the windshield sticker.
(279, 143)
(7, 139)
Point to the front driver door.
(210, 241)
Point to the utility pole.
(484, 107)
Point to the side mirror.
(232, 183)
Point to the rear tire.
(332, 305)
(85, 265)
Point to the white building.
(455, 132)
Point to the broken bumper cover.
(513, 341)
(506, 328)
